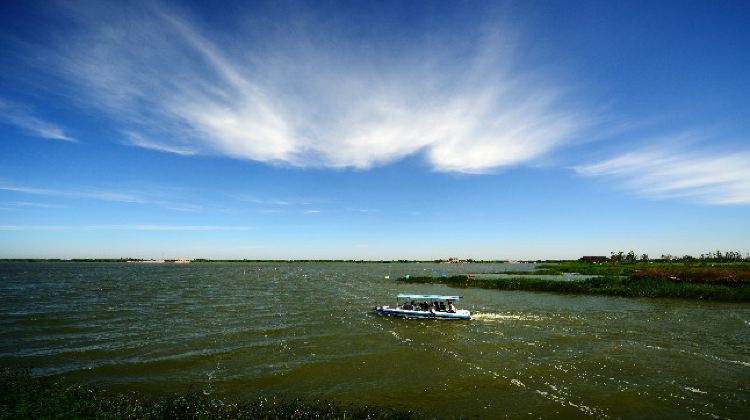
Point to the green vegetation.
(691, 271)
(23, 396)
(727, 281)
(603, 285)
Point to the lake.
(308, 330)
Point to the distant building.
(161, 261)
(454, 260)
(594, 259)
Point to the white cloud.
(708, 177)
(155, 197)
(310, 98)
(19, 116)
(178, 228)
(19, 204)
(184, 207)
(280, 201)
(135, 139)
(265, 201)
(103, 195)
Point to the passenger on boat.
(442, 306)
(424, 306)
(451, 308)
(409, 306)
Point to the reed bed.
(605, 285)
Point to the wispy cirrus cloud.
(99, 194)
(282, 201)
(95, 194)
(668, 172)
(363, 210)
(165, 228)
(314, 98)
(265, 201)
(138, 140)
(28, 204)
(23, 118)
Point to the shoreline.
(248, 261)
(698, 283)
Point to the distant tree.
(644, 257)
(718, 256)
(630, 258)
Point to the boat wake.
(493, 316)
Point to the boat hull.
(405, 313)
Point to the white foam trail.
(484, 316)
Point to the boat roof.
(431, 297)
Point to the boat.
(424, 306)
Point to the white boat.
(425, 306)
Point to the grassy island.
(717, 281)
(24, 397)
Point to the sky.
(373, 130)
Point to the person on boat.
(424, 306)
(409, 306)
(442, 306)
(451, 308)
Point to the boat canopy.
(431, 297)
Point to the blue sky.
(373, 130)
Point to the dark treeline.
(631, 257)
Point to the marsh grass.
(23, 396)
(605, 285)
(695, 272)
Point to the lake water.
(308, 330)
(556, 277)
